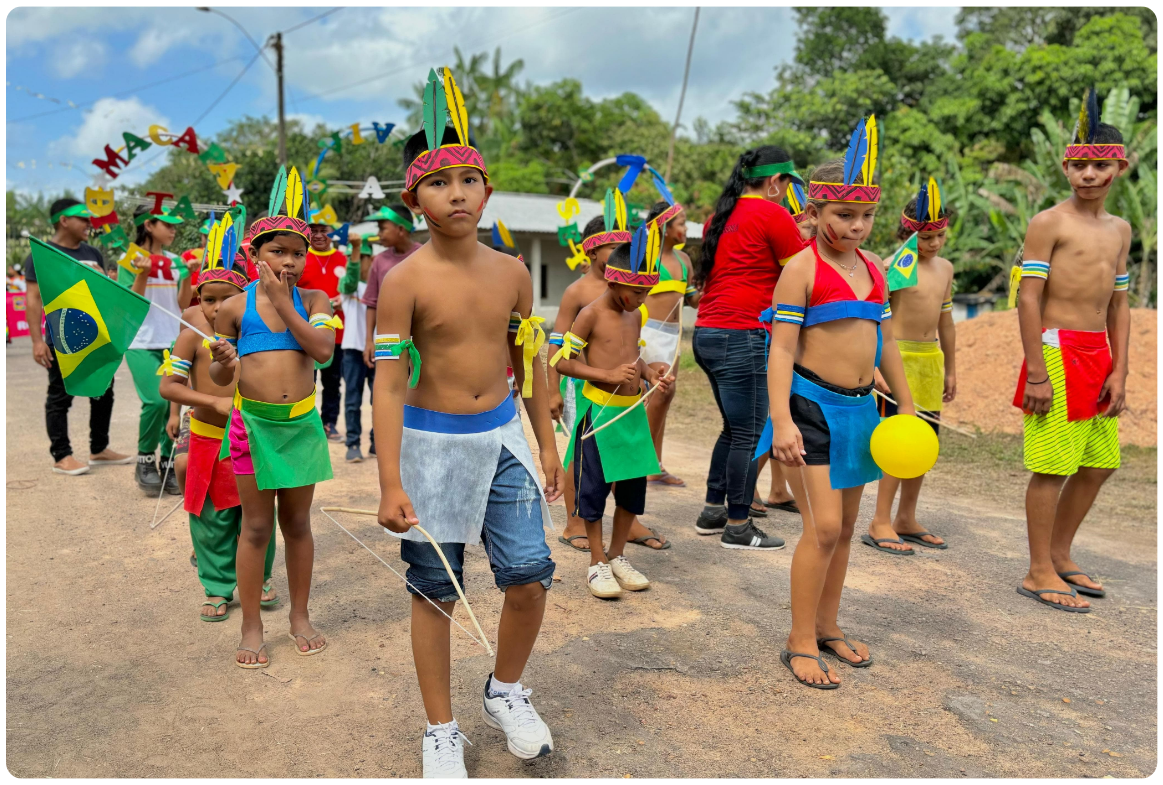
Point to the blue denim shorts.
(513, 536)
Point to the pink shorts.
(239, 445)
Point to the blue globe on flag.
(72, 330)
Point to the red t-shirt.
(323, 271)
(759, 238)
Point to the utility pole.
(277, 43)
(681, 96)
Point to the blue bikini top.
(255, 336)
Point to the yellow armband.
(570, 346)
(321, 321)
(173, 365)
(530, 337)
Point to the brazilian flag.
(91, 319)
(902, 273)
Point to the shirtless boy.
(609, 445)
(1073, 300)
(922, 314)
(453, 457)
(602, 235)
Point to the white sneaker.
(527, 735)
(444, 753)
(601, 582)
(628, 577)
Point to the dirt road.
(112, 674)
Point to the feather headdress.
(443, 102)
(859, 169)
(796, 199)
(645, 252)
(502, 238)
(614, 219)
(218, 260)
(927, 215)
(286, 196)
(1084, 146)
(674, 209)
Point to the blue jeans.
(513, 535)
(355, 373)
(735, 362)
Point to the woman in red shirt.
(745, 243)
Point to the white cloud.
(923, 23)
(79, 56)
(103, 124)
(308, 121)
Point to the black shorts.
(809, 418)
(591, 488)
(888, 409)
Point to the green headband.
(767, 170)
(78, 210)
(165, 217)
(388, 214)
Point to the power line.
(128, 91)
(312, 19)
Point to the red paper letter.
(189, 140)
(111, 163)
(157, 201)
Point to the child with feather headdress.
(921, 296)
(272, 337)
(452, 452)
(1075, 327)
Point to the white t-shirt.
(354, 319)
(159, 330)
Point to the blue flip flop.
(786, 657)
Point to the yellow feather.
(214, 245)
(457, 111)
(870, 159)
(619, 210)
(294, 193)
(506, 238)
(934, 200)
(1015, 282)
(652, 242)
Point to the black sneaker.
(146, 473)
(371, 450)
(711, 524)
(749, 538)
(170, 475)
(353, 454)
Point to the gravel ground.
(110, 673)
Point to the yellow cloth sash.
(206, 429)
(296, 409)
(570, 346)
(531, 337)
(925, 371)
(603, 398)
(669, 286)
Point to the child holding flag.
(921, 290)
(162, 278)
(211, 494)
(275, 437)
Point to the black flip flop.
(1036, 594)
(916, 537)
(874, 544)
(1089, 592)
(829, 650)
(785, 506)
(758, 513)
(663, 546)
(786, 656)
(569, 541)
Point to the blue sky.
(103, 59)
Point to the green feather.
(609, 211)
(439, 111)
(278, 192)
(429, 112)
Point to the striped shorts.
(1055, 445)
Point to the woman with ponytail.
(745, 243)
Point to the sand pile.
(989, 357)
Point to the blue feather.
(801, 197)
(638, 249)
(497, 236)
(660, 184)
(854, 158)
(635, 164)
(229, 246)
(1093, 115)
(922, 210)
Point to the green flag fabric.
(90, 318)
(902, 273)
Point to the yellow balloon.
(904, 446)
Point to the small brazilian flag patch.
(90, 319)
(902, 273)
